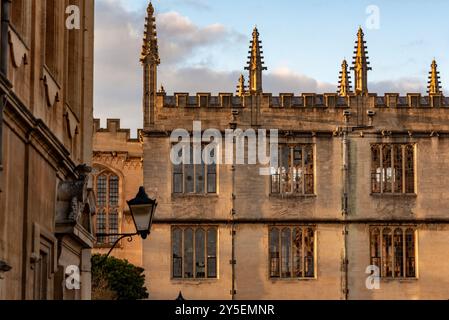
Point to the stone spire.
(150, 61)
(434, 85)
(150, 50)
(361, 65)
(255, 64)
(344, 84)
(241, 87)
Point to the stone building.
(117, 176)
(360, 188)
(46, 199)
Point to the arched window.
(394, 251)
(292, 252)
(107, 193)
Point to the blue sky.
(304, 44)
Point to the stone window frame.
(276, 271)
(379, 186)
(379, 251)
(108, 241)
(306, 189)
(44, 246)
(214, 275)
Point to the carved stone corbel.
(51, 88)
(19, 52)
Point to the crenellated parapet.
(205, 100)
(113, 146)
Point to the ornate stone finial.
(150, 49)
(434, 85)
(344, 84)
(255, 64)
(361, 65)
(241, 87)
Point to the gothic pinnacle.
(150, 50)
(255, 64)
(241, 87)
(344, 85)
(361, 65)
(434, 85)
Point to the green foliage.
(114, 279)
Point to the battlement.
(113, 127)
(305, 100)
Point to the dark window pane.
(200, 251)
(285, 254)
(101, 225)
(376, 169)
(177, 253)
(212, 253)
(297, 253)
(398, 253)
(410, 251)
(309, 258)
(387, 169)
(189, 172)
(375, 247)
(199, 178)
(113, 225)
(274, 253)
(409, 169)
(398, 172)
(298, 170)
(188, 253)
(387, 254)
(309, 170)
(113, 190)
(101, 190)
(286, 182)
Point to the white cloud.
(118, 74)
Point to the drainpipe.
(233, 126)
(345, 203)
(4, 37)
(4, 71)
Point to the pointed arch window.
(107, 191)
(393, 251)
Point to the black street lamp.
(142, 210)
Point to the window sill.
(193, 195)
(291, 280)
(387, 195)
(193, 281)
(292, 196)
(400, 280)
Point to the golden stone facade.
(360, 188)
(46, 199)
(117, 155)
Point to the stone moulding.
(52, 88)
(19, 51)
